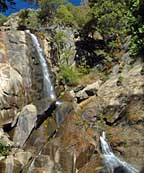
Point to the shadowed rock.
(120, 169)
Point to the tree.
(5, 4)
(65, 15)
(109, 16)
(48, 9)
(136, 20)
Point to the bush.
(80, 14)
(109, 17)
(48, 9)
(72, 15)
(3, 19)
(64, 15)
(70, 75)
(4, 149)
(29, 18)
(59, 39)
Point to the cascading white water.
(111, 160)
(48, 87)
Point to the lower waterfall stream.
(111, 161)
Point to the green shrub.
(72, 16)
(109, 17)
(120, 80)
(3, 19)
(59, 39)
(4, 149)
(84, 70)
(64, 15)
(80, 14)
(136, 22)
(33, 20)
(29, 18)
(70, 75)
(48, 9)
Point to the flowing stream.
(48, 87)
(111, 160)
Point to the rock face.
(59, 46)
(119, 110)
(70, 150)
(11, 93)
(20, 74)
(26, 123)
(12, 89)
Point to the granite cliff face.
(21, 74)
(15, 75)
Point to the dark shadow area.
(120, 169)
(42, 117)
(86, 51)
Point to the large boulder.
(26, 123)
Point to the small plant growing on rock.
(119, 81)
(78, 123)
(59, 39)
(4, 149)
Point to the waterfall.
(111, 161)
(48, 87)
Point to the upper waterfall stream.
(48, 88)
(111, 160)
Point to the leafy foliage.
(72, 15)
(59, 39)
(136, 21)
(65, 15)
(29, 18)
(5, 4)
(48, 9)
(4, 149)
(70, 75)
(109, 16)
(2, 19)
